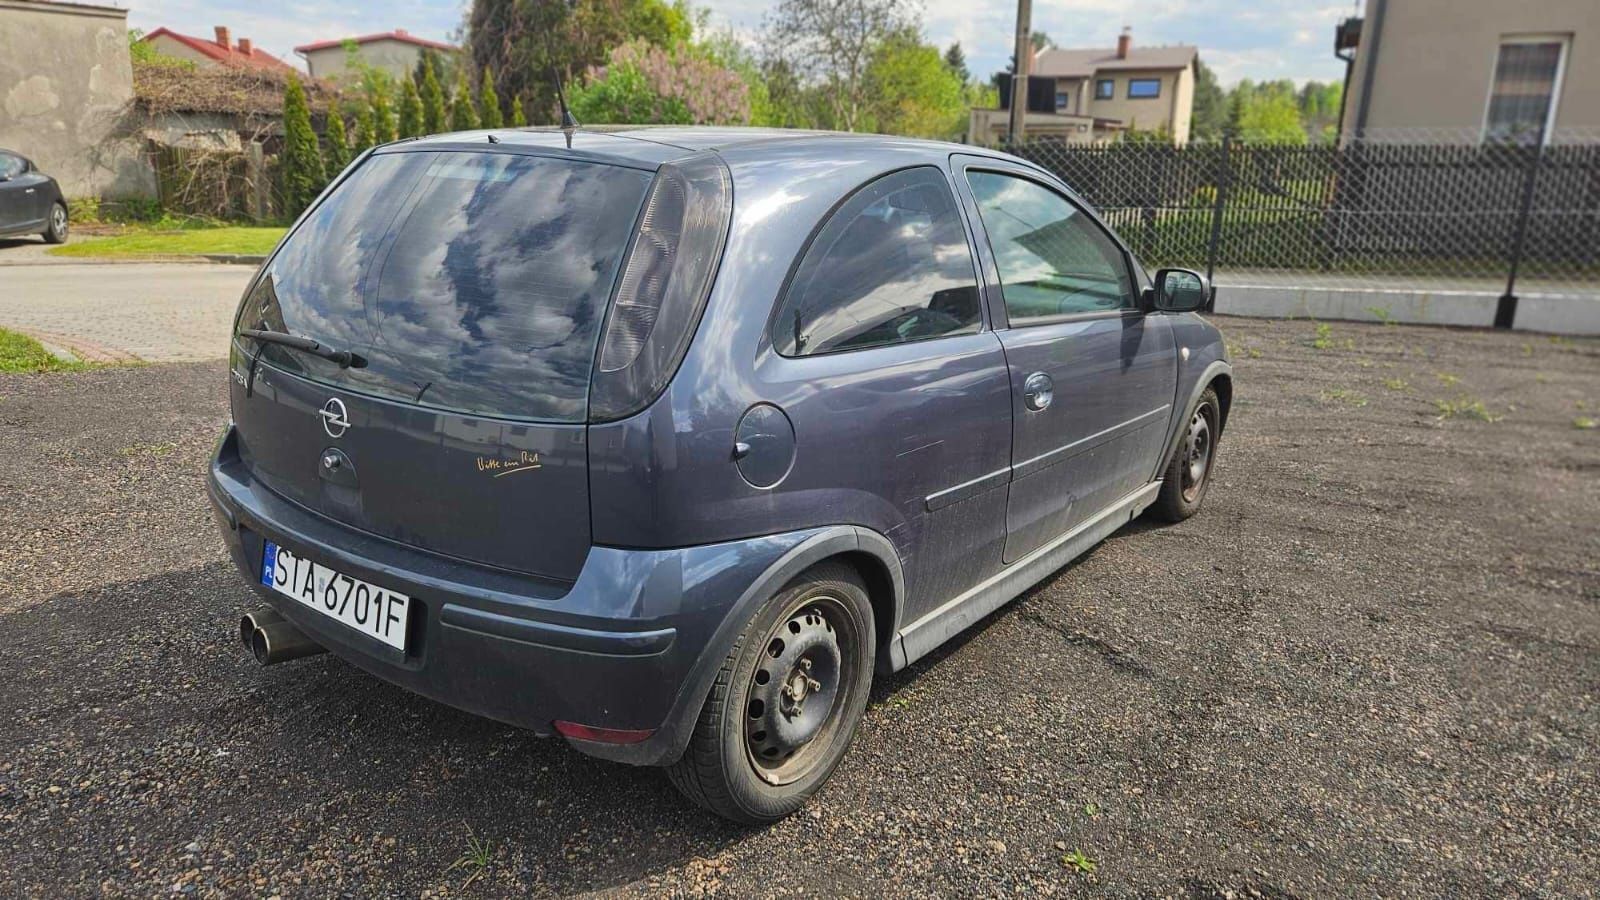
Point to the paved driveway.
(146, 311)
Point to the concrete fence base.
(1555, 315)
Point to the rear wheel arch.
(881, 591)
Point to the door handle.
(1037, 391)
(28, 191)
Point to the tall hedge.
(489, 101)
(301, 165)
(519, 119)
(410, 109)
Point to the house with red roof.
(396, 52)
(220, 51)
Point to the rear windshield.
(473, 282)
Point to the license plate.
(369, 609)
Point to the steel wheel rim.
(58, 220)
(1197, 449)
(799, 689)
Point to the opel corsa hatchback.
(668, 440)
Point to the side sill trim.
(917, 639)
(550, 634)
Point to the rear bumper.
(632, 644)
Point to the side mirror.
(1180, 290)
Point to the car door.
(896, 389)
(1092, 375)
(17, 194)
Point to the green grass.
(242, 240)
(20, 353)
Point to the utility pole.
(1019, 77)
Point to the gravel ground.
(1369, 666)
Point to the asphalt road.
(156, 312)
(1369, 666)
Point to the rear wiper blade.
(344, 358)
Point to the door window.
(891, 266)
(1054, 260)
(11, 166)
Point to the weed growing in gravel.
(1465, 408)
(477, 857)
(1341, 395)
(1080, 861)
(1446, 379)
(1395, 384)
(1542, 378)
(1091, 809)
(1382, 314)
(1323, 339)
(1584, 423)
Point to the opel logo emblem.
(335, 420)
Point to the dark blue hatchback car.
(668, 440)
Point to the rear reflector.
(602, 735)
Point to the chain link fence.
(1400, 212)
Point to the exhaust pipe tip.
(278, 642)
(254, 620)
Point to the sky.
(1256, 39)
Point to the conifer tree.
(519, 119)
(301, 164)
(382, 118)
(433, 109)
(366, 135)
(410, 110)
(338, 147)
(463, 112)
(489, 101)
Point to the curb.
(235, 259)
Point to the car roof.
(652, 145)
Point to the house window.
(1063, 101)
(1105, 89)
(1522, 100)
(1144, 88)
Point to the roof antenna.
(568, 123)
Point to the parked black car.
(667, 440)
(30, 201)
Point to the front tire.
(55, 231)
(1188, 475)
(786, 702)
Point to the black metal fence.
(1466, 217)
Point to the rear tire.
(1188, 475)
(55, 231)
(763, 744)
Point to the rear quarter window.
(473, 282)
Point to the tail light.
(664, 285)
